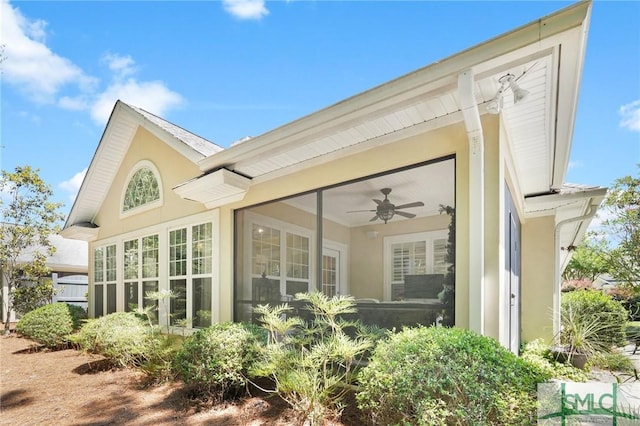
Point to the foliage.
(29, 297)
(591, 322)
(28, 218)
(612, 361)
(51, 324)
(538, 354)
(158, 365)
(622, 204)
(447, 296)
(427, 376)
(215, 360)
(124, 338)
(587, 261)
(313, 363)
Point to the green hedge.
(433, 376)
(50, 325)
(594, 307)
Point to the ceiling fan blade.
(378, 202)
(358, 211)
(406, 206)
(374, 218)
(405, 214)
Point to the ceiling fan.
(385, 210)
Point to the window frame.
(189, 276)
(141, 279)
(251, 219)
(429, 237)
(162, 230)
(109, 276)
(143, 164)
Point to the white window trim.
(140, 280)
(142, 164)
(429, 237)
(190, 276)
(162, 230)
(343, 287)
(252, 218)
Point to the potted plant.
(579, 337)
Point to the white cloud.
(72, 186)
(246, 9)
(630, 116)
(64, 83)
(152, 96)
(122, 66)
(26, 58)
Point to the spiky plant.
(312, 364)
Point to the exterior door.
(330, 272)
(512, 270)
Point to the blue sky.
(229, 69)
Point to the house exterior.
(68, 266)
(438, 197)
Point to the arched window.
(143, 189)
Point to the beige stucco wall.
(174, 169)
(537, 278)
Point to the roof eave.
(438, 76)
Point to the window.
(104, 279)
(275, 245)
(191, 274)
(140, 261)
(413, 254)
(143, 189)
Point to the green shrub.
(592, 319)
(613, 361)
(50, 325)
(425, 376)
(539, 355)
(122, 337)
(215, 360)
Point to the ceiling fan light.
(386, 215)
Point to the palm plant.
(313, 364)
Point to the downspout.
(466, 84)
(556, 273)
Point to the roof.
(70, 256)
(546, 56)
(114, 143)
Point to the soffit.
(545, 55)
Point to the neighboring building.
(304, 206)
(68, 267)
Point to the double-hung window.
(104, 280)
(191, 274)
(280, 253)
(140, 261)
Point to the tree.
(588, 260)
(622, 229)
(28, 218)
